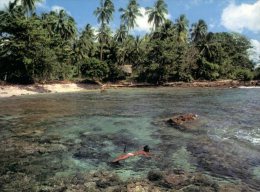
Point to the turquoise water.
(56, 135)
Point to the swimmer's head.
(146, 148)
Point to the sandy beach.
(61, 87)
(17, 90)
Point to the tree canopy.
(48, 46)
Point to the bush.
(244, 74)
(94, 69)
(257, 73)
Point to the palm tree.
(130, 14)
(182, 28)
(104, 14)
(137, 51)
(86, 42)
(104, 37)
(156, 14)
(64, 25)
(199, 31)
(84, 47)
(28, 5)
(13, 11)
(121, 34)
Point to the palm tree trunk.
(101, 52)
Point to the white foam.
(249, 87)
(253, 138)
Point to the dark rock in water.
(176, 181)
(234, 188)
(181, 121)
(103, 184)
(142, 186)
(183, 181)
(78, 179)
(115, 164)
(87, 153)
(124, 138)
(202, 180)
(154, 175)
(221, 159)
(96, 129)
(93, 146)
(106, 179)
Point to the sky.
(242, 16)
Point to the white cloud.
(4, 4)
(240, 17)
(255, 51)
(41, 4)
(142, 21)
(57, 8)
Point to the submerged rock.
(179, 180)
(181, 121)
(95, 146)
(234, 188)
(142, 186)
(221, 159)
(154, 175)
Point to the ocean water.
(57, 135)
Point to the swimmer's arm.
(148, 155)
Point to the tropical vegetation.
(45, 47)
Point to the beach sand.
(65, 87)
(17, 90)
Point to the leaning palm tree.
(157, 14)
(182, 28)
(199, 31)
(104, 14)
(130, 14)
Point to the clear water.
(55, 135)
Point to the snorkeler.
(144, 152)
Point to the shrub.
(244, 74)
(94, 69)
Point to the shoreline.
(61, 87)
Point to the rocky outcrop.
(181, 121)
(183, 181)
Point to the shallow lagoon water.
(56, 135)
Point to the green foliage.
(208, 70)
(39, 48)
(94, 69)
(130, 14)
(156, 14)
(115, 73)
(30, 51)
(257, 73)
(244, 74)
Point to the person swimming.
(145, 152)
